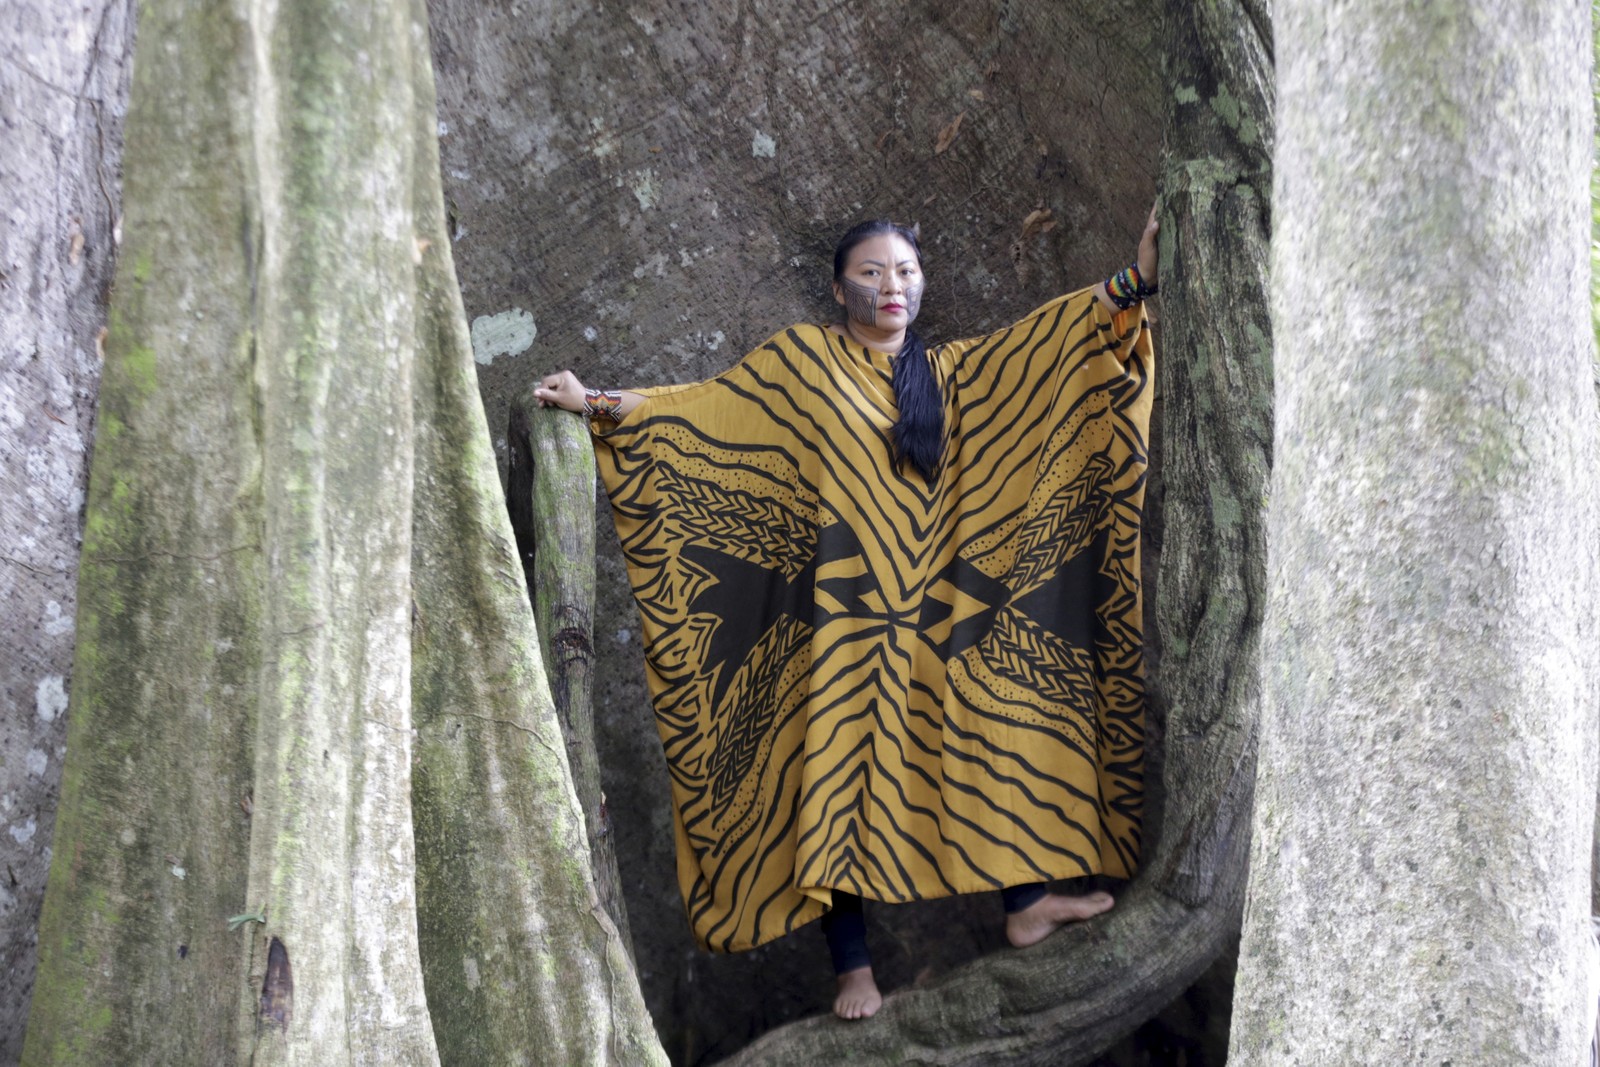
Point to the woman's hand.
(1145, 260)
(1147, 248)
(562, 390)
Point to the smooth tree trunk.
(1594, 306)
(332, 348)
(1419, 887)
(521, 960)
(151, 846)
(1066, 999)
(302, 626)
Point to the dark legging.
(846, 928)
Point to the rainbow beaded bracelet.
(1127, 287)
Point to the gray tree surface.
(544, 174)
(1419, 886)
(643, 192)
(307, 690)
(63, 87)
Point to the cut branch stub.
(550, 492)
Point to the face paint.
(865, 286)
(861, 302)
(913, 300)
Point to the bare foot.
(1053, 910)
(858, 995)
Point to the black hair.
(919, 431)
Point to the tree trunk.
(517, 952)
(659, 188)
(1594, 307)
(63, 89)
(183, 617)
(548, 490)
(1419, 879)
(150, 856)
(1071, 996)
(296, 560)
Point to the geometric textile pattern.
(869, 682)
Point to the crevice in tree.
(277, 988)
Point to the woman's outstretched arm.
(1145, 261)
(563, 390)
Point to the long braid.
(919, 431)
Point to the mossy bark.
(63, 89)
(550, 482)
(331, 849)
(151, 845)
(1594, 312)
(1419, 888)
(300, 593)
(521, 959)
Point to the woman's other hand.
(1147, 248)
(561, 390)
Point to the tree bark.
(150, 856)
(1594, 309)
(333, 347)
(660, 187)
(517, 951)
(63, 90)
(1069, 997)
(1419, 879)
(296, 561)
(549, 484)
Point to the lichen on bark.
(1421, 894)
(302, 607)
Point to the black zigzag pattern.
(867, 681)
(746, 715)
(760, 530)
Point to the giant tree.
(270, 574)
(312, 759)
(1420, 875)
(641, 183)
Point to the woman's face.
(881, 287)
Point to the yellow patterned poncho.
(871, 683)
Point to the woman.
(890, 605)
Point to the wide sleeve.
(734, 444)
(1063, 394)
(713, 489)
(719, 406)
(1028, 355)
